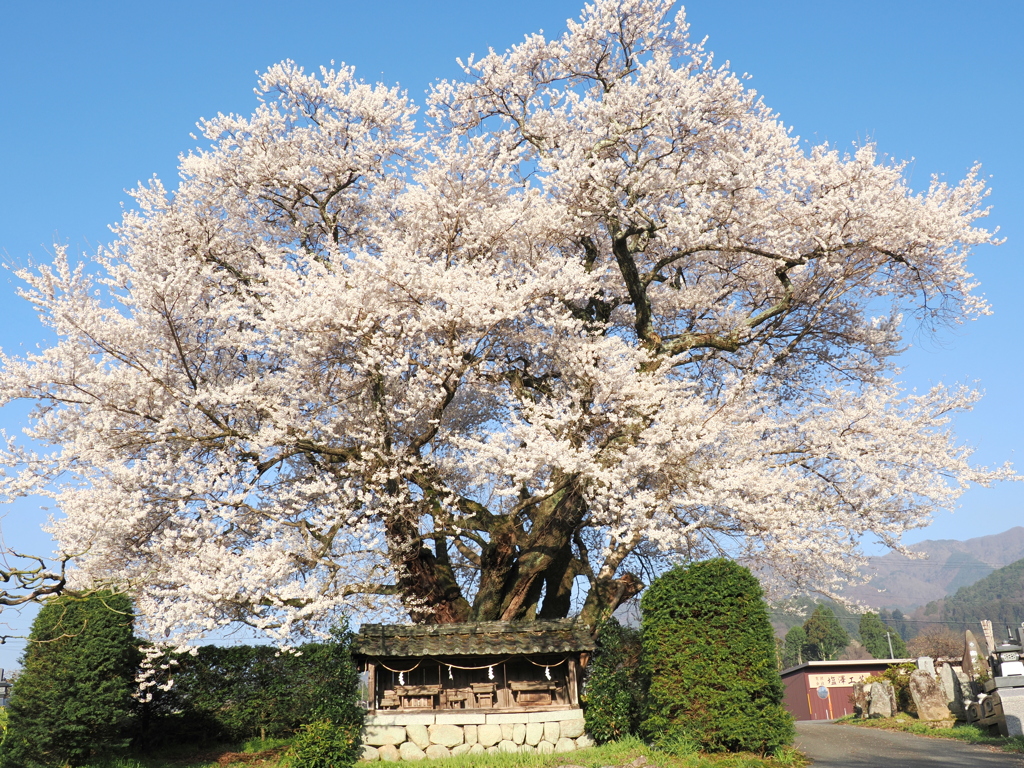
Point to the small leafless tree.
(937, 641)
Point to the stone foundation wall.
(433, 735)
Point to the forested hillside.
(998, 597)
(953, 588)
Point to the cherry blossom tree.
(593, 311)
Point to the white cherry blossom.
(594, 310)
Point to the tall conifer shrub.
(709, 651)
(616, 689)
(72, 702)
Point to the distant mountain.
(900, 582)
(998, 597)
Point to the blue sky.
(98, 96)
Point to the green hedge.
(709, 651)
(234, 694)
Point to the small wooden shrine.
(491, 665)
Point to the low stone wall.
(402, 736)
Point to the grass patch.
(960, 732)
(627, 753)
(256, 753)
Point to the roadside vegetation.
(706, 703)
(223, 696)
(960, 732)
(628, 752)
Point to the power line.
(917, 621)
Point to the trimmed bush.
(616, 689)
(327, 744)
(72, 702)
(709, 651)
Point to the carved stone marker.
(966, 686)
(926, 664)
(931, 703)
(879, 704)
(990, 638)
(950, 686)
(974, 664)
(945, 679)
(893, 703)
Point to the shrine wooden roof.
(482, 638)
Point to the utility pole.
(889, 638)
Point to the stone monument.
(879, 704)
(928, 697)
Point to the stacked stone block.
(391, 737)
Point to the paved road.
(845, 746)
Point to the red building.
(823, 690)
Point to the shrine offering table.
(529, 692)
(483, 693)
(418, 696)
(456, 698)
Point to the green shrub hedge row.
(234, 694)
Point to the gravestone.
(926, 664)
(927, 695)
(945, 680)
(1012, 700)
(990, 638)
(966, 686)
